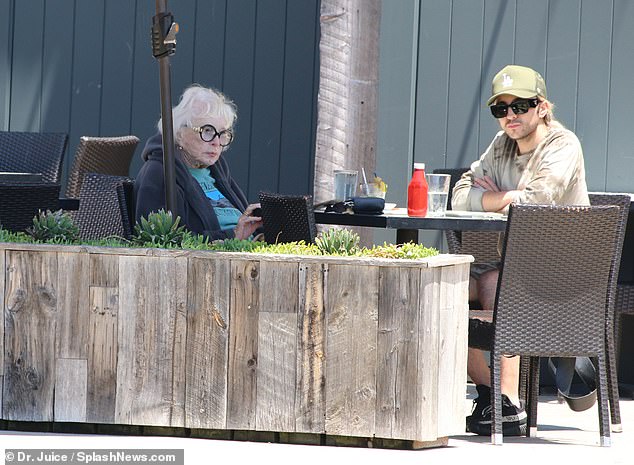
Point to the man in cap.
(533, 159)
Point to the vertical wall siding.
(582, 47)
(86, 68)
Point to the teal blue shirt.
(227, 214)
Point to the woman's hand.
(247, 224)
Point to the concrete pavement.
(563, 437)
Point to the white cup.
(437, 193)
(345, 184)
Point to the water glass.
(345, 184)
(371, 190)
(437, 193)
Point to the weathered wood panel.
(276, 373)
(277, 346)
(197, 340)
(3, 274)
(207, 344)
(72, 296)
(452, 349)
(102, 354)
(243, 344)
(151, 363)
(351, 325)
(3, 280)
(397, 409)
(70, 389)
(426, 379)
(104, 270)
(29, 336)
(310, 398)
(278, 287)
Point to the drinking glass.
(437, 193)
(345, 184)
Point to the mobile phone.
(256, 212)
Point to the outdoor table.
(407, 226)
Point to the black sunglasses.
(519, 107)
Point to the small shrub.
(160, 229)
(56, 227)
(338, 242)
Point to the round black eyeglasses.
(519, 107)
(208, 133)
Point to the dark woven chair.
(483, 245)
(288, 218)
(19, 203)
(105, 155)
(33, 152)
(125, 196)
(623, 202)
(553, 294)
(99, 215)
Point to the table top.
(397, 219)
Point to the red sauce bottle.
(417, 192)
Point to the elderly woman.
(209, 201)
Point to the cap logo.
(507, 81)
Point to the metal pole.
(164, 31)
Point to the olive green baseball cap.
(517, 80)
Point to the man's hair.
(549, 119)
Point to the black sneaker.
(479, 403)
(513, 419)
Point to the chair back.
(19, 203)
(105, 155)
(483, 245)
(99, 215)
(555, 279)
(456, 174)
(33, 152)
(125, 196)
(288, 218)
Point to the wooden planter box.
(342, 346)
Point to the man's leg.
(477, 367)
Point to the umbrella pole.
(164, 31)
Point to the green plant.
(160, 229)
(338, 242)
(288, 248)
(233, 245)
(409, 250)
(54, 226)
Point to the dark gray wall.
(582, 47)
(86, 68)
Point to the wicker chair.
(288, 218)
(483, 245)
(623, 202)
(553, 295)
(33, 152)
(125, 195)
(105, 155)
(19, 203)
(99, 215)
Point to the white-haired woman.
(209, 201)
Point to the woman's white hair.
(197, 102)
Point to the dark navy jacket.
(192, 205)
